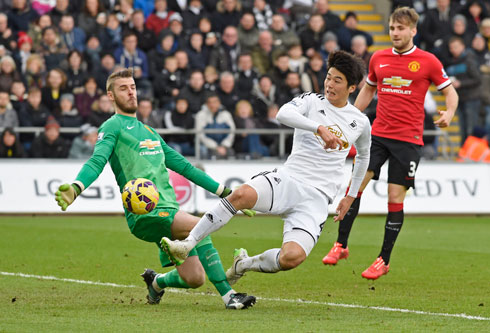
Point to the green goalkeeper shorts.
(152, 227)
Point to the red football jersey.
(402, 80)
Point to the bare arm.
(365, 97)
(451, 106)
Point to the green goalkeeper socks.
(171, 279)
(211, 262)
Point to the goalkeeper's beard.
(124, 107)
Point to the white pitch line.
(341, 305)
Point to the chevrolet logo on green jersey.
(149, 144)
(396, 82)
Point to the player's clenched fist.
(330, 140)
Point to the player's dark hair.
(349, 65)
(124, 73)
(405, 15)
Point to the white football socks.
(213, 220)
(266, 262)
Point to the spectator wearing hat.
(349, 30)
(458, 29)
(7, 37)
(214, 116)
(8, 116)
(10, 146)
(180, 118)
(329, 45)
(176, 27)
(50, 144)
(69, 116)
(22, 52)
(83, 145)
(159, 19)
(72, 36)
(146, 37)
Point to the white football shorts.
(303, 208)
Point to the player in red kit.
(401, 76)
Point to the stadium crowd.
(203, 64)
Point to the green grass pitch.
(440, 265)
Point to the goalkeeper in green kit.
(135, 150)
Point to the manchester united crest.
(414, 66)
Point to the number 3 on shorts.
(413, 168)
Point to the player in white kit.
(300, 191)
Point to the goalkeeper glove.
(226, 192)
(67, 193)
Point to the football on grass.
(140, 196)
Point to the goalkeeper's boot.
(176, 250)
(240, 301)
(336, 253)
(376, 270)
(231, 274)
(153, 296)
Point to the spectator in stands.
(50, 144)
(228, 12)
(316, 74)
(263, 14)
(210, 79)
(107, 65)
(474, 11)
(110, 36)
(177, 29)
(437, 24)
(262, 54)
(311, 36)
(271, 141)
(92, 54)
(147, 6)
(246, 77)
(92, 18)
(465, 77)
(52, 48)
(180, 119)
(359, 47)
(479, 47)
(225, 56)
(76, 74)
(33, 113)
(291, 89)
(264, 94)
(167, 84)
(18, 95)
(485, 30)
(156, 57)
(52, 91)
(147, 115)
(297, 61)
(62, 7)
(183, 63)
(86, 97)
(459, 29)
(247, 145)
(21, 15)
(23, 52)
(196, 50)
(42, 6)
(10, 146)
(214, 116)
(8, 116)
(160, 18)
(36, 29)
(35, 71)
(7, 37)
(194, 93)
(129, 55)
(125, 11)
(146, 37)
(72, 36)
(226, 91)
(69, 117)
(332, 20)
(280, 70)
(346, 32)
(83, 145)
(192, 14)
(329, 45)
(248, 33)
(8, 72)
(101, 111)
(282, 36)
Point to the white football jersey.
(309, 161)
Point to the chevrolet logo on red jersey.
(149, 144)
(396, 82)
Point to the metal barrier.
(447, 144)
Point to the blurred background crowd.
(204, 64)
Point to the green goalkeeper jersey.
(135, 150)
